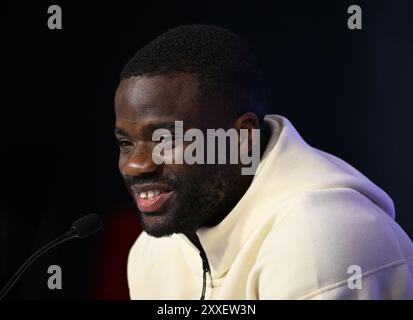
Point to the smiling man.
(306, 226)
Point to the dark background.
(347, 92)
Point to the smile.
(152, 200)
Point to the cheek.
(199, 176)
(121, 162)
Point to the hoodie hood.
(289, 165)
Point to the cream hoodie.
(310, 226)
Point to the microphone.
(81, 229)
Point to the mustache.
(131, 181)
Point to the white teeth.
(149, 194)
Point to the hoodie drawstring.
(206, 268)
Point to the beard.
(204, 196)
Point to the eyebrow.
(164, 125)
(121, 132)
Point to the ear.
(248, 121)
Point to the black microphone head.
(86, 225)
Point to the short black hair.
(221, 61)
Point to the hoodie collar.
(280, 174)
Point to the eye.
(124, 144)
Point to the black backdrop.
(347, 92)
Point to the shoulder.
(324, 234)
(335, 220)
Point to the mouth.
(152, 198)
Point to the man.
(306, 226)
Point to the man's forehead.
(141, 96)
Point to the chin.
(157, 226)
(156, 233)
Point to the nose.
(137, 162)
